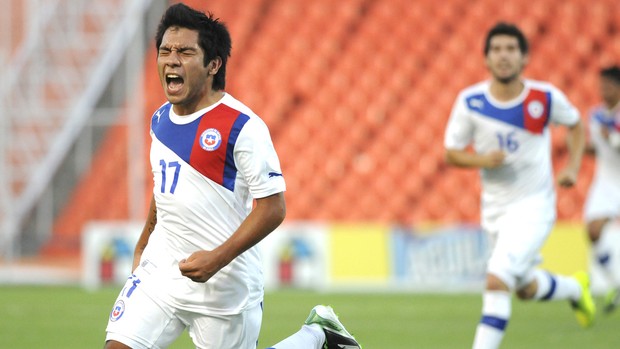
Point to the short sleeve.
(459, 130)
(562, 110)
(257, 161)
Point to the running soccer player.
(196, 264)
(603, 202)
(506, 120)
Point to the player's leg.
(544, 286)
(321, 330)
(601, 208)
(533, 283)
(515, 251)
(308, 337)
(137, 321)
(500, 283)
(496, 312)
(237, 331)
(606, 255)
(601, 247)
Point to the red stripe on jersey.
(211, 143)
(536, 111)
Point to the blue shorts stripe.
(495, 322)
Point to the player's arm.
(459, 135)
(149, 226)
(255, 158)
(469, 159)
(266, 216)
(590, 149)
(590, 131)
(576, 141)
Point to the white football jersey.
(607, 158)
(207, 168)
(524, 183)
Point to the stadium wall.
(357, 256)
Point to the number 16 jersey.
(520, 129)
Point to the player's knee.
(527, 292)
(494, 283)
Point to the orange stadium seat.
(357, 103)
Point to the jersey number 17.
(175, 179)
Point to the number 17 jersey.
(207, 168)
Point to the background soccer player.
(603, 203)
(506, 120)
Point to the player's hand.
(493, 159)
(200, 266)
(567, 178)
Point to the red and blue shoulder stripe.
(207, 143)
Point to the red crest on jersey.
(536, 111)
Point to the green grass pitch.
(70, 317)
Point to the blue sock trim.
(495, 322)
(551, 289)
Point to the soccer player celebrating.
(603, 203)
(506, 120)
(196, 264)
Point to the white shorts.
(516, 250)
(138, 321)
(603, 200)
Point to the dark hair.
(213, 36)
(503, 28)
(612, 73)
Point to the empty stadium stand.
(357, 94)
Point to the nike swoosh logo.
(274, 174)
(344, 346)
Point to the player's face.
(180, 63)
(504, 59)
(610, 91)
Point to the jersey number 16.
(508, 142)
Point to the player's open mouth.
(174, 82)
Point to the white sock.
(308, 337)
(496, 310)
(556, 287)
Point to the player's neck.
(212, 97)
(506, 91)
